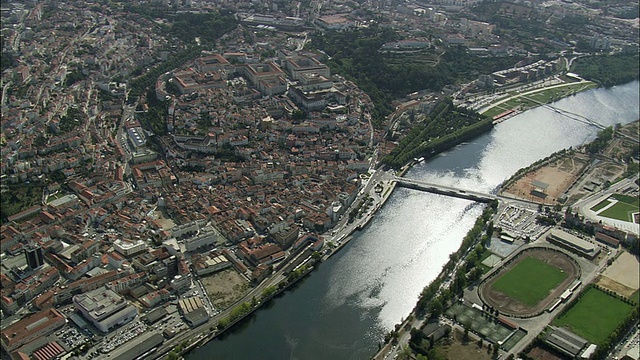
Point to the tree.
(268, 291)
(40, 141)
(298, 115)
(406, 353)
(436, 307)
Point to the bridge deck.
(445, 190)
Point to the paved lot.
(625, 270)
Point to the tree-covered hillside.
(356, 54)
(445, 127)
(608, 70)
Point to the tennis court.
(484, 325)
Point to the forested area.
(601, 142)
(19, 197)
(356, 55)
(186, 26)
(608, 70)
(445, 127)
(6, 60)
(207, 27)
(147, 79)
(154, 118)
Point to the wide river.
(344, 308)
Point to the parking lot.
(70, 337)
(520, 221)
(122, 336)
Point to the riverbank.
(341, 238)
(254, 307)
(377, 266)
(519, 100)
(388, 348)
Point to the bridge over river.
(445, 190)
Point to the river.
(344, 308)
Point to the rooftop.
(42, 322)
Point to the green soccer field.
(595, 316)
(530, 281)
(623, 209)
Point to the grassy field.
(457, 348)
(485, 269)
(529, 281)
(623, 209)
(54, 197)
(532, 100)
(555, 94)
(595, 316)
(600, 205)
(626, 199)
(498, 109)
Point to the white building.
(208, 236)
(128, 248)
(104, 308)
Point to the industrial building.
(573, 243)
(193, 311)
(137, 349)
(31, 328)
(210, 264)
(568, 343)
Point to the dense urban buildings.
(148, 166)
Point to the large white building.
(207, 236)
(128, 248)
(104, 308)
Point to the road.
(3, 102)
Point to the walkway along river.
(343, 309)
